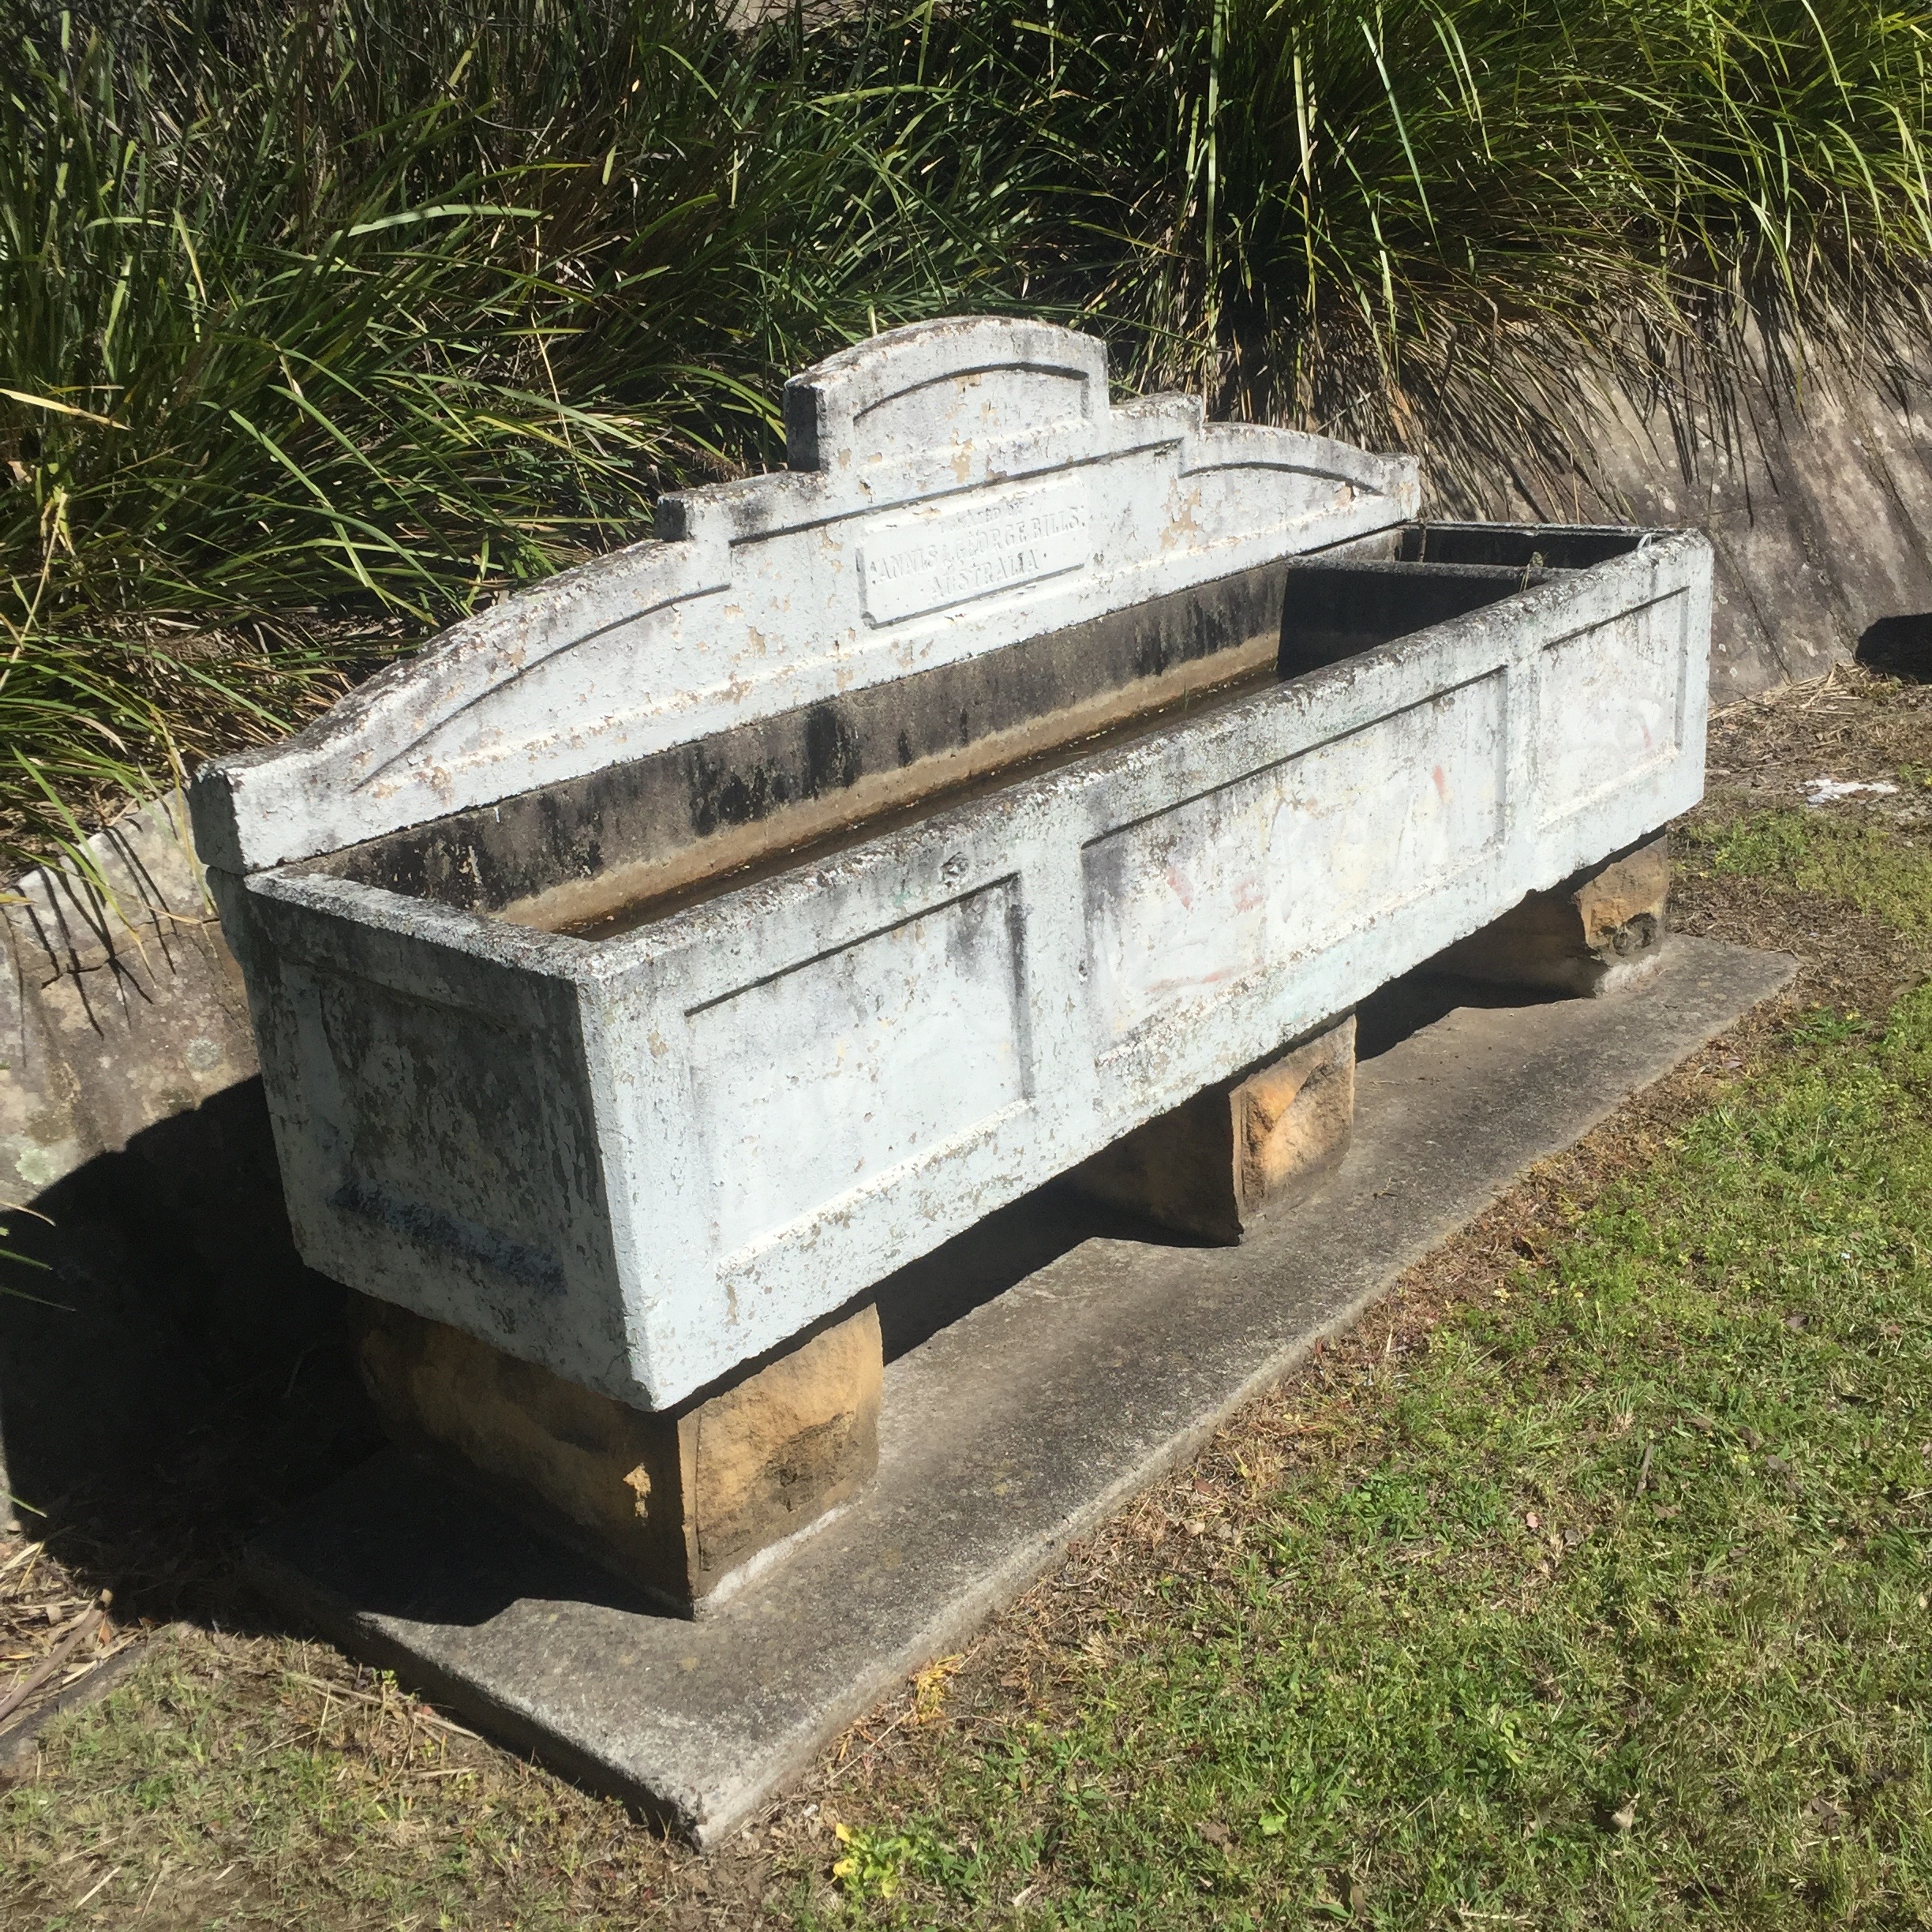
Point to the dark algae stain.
(721, 792)
(832, 754)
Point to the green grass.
(1853, 861)
(255, 1767)
(1612, 1611)
(321, 324)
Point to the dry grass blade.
(49, 1667)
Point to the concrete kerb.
(20, 1736)
(999, 1440)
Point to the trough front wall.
(830, 1073)
(436, 1129)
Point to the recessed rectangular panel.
(808, 1084)
(950, 552)
(1187, 906)
(1220, 498)
(447, 1125)
(1608, 708)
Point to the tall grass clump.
(1416, 219)
(320, 322)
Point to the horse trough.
(1022, 785)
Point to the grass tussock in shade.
(1423, 222)
(319, 323)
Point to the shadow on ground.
(171, 1376)
(1900, 646)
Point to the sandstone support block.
(1594, 933)
(1212, 1165)
(683, 1502)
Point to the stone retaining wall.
(1815, 489)
(132, 1125)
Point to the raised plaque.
(949, 554)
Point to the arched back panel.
(955, 487)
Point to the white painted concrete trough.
(661, 959)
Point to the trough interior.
(602, 855)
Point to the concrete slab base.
(1003, 1436)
